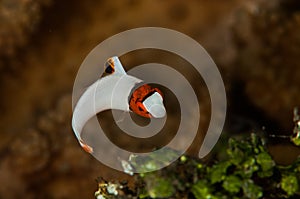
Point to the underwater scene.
(221, 121)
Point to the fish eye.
(109, 67)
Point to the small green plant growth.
(247, 171)
(296, 137)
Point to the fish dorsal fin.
(113, 66)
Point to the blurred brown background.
(256, 45)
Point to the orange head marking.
(110, 66)
(137, 98)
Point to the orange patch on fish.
(137, 98)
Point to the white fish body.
(109, 92)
